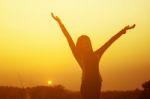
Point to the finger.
(127, 27)
(133, 25)
(52, 15)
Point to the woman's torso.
(90, 68)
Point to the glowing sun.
(49, 82)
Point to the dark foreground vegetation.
(59, 92)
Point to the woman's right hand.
(55, 17)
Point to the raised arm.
(66, 33)
(102, 49)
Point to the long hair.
(84, 45)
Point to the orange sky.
(33, 46)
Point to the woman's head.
(84, 44)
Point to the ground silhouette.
(59, 92)
(89, 60)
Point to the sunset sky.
(34, 50)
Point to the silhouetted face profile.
(83, 45)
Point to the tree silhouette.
(146, 92)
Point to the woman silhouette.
(89, 60)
